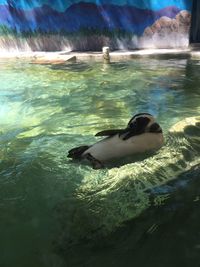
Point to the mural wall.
(91, 24)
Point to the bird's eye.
(132, 124)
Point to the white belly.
(115, 147)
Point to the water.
(54, 212)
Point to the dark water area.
(55, 212)
(166, 234)
(195, 23)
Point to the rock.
(181, 125)
(166, 32)
(54, 60)
(165, 25)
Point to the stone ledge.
(62, 57)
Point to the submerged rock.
(53, 60)
(181, 125)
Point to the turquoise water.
(54, 212)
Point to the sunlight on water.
(47, 110)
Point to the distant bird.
(142, 134)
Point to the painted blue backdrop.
(62, 5)
(108, 19)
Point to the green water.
(53, 212)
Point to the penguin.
(142, 134)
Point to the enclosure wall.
(89, 25)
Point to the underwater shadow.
(72, 67)
(167, 230)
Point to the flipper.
(96, 164)
(76, 153)
(127, 133)
(136, 126)
(111, 132)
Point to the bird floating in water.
(142, 134)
